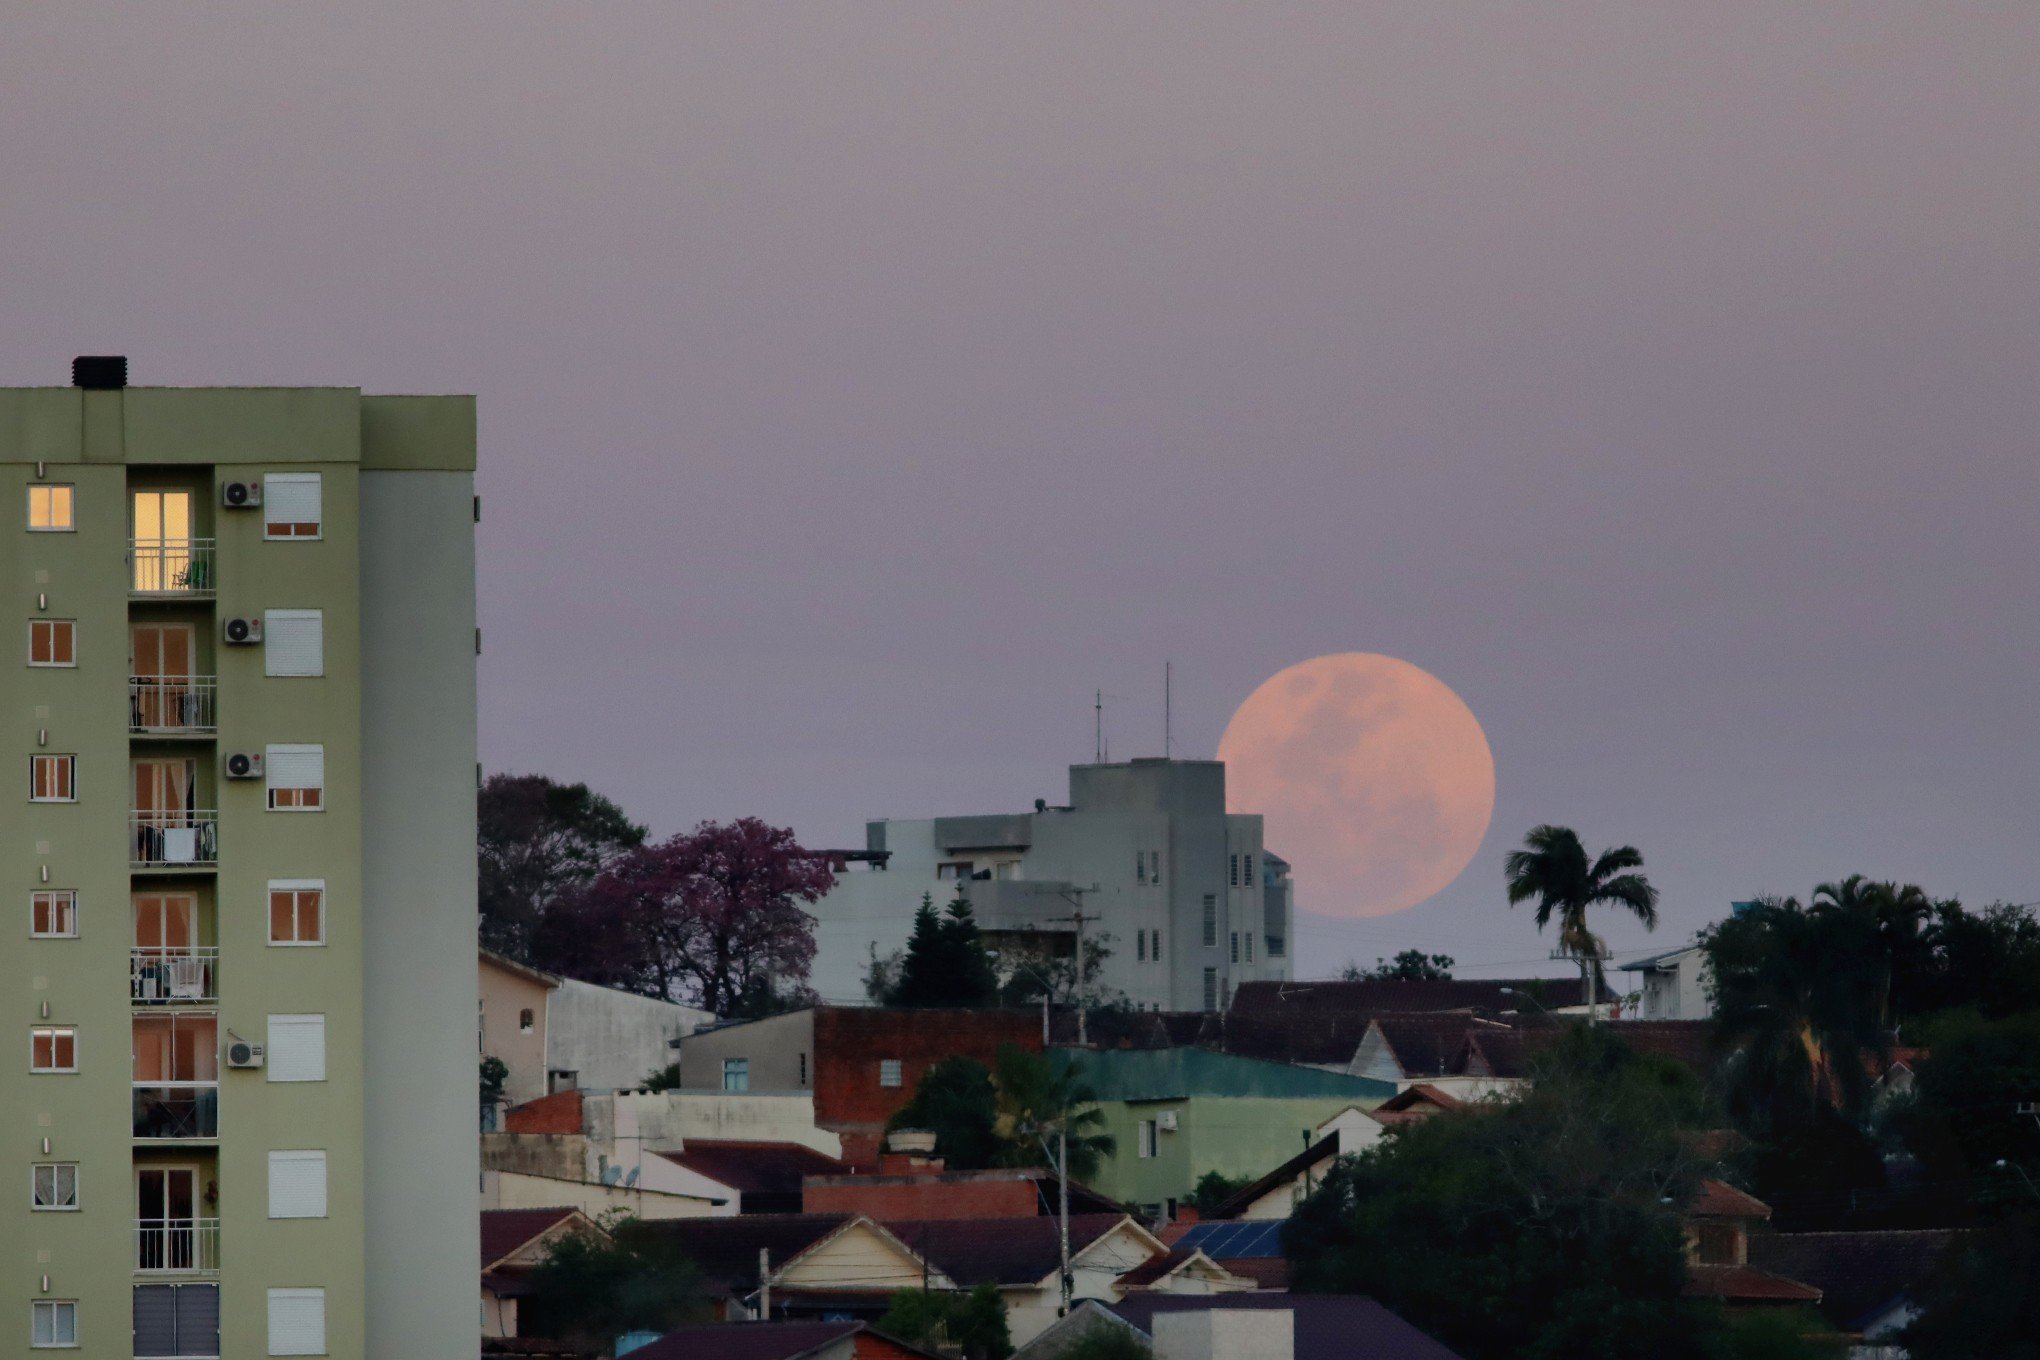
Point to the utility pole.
(764, 1284)
(1044, 1018)
(1062, 1143)
(1078, 917)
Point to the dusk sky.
(864, 385)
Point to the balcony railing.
(177, 1109)
(177, 1246)
(173, 704)
(171, 838)
(171, 566)
(168, 976)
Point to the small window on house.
(297, 911)
(297, 1322)
(53, 914)
(296, 776)
(1211, 989)
(890, 1072)
(953, 869)
(53, 642)
(53, 1324)
(527, 1021)
(1155, 866)
(53, 1048)
(1717, 1244)
(49, 509)
(53, 1185)
(291, 505)
(297, 1048)
(53, 779)
(1211, 920)
(297, 1184)
(294, 642)
(736, 1074)
(1146, 1140)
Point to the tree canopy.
(1553, 870)
(591, 1288)
(955, 1100)
(973, 1323)
(537, 842)
(946, 963)
(1037, 1097)
(1412, 965)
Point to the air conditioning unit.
(242, 632)
(1166, 1121)
(241, 1053)
(240, 495)
(244, 765)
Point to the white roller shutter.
(297, 1322)
(294, 767)
(297, 1185)
(291, 499)
(297, 1048)
(294, 642)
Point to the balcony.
(171, 567)
(164, 977)
(173, 839)
(171, 706)
(170, 1110)
(177, 1246)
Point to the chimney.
(1225, 1334)
(99, 372)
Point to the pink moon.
(1375, 779)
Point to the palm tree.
(1552, 869)
(1037, 1101)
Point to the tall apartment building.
(1183, 893)
(241, 865)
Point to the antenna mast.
(1168, 729)
(1098, 728)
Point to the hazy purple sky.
(863, 384)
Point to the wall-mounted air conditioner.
(244, 765)
(240, 495)
(242, 632)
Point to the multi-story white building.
(1182, 892)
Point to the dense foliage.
(972, 1323)
(1412, 965)
(590, 1289)
(955, 1100)
(946, 963)
(1981, 1305)
(539, 842)
(1554, 871)
(1214, 1188)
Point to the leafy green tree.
(1544, 1229)
(973, 1323)
(1781, 1334)
(1034, 963)
(1964, 1117)
(1040, 1097)
(956, 1101)
(1412, 965)
(538, 842)
(1214, 1188)
(946, 963)
(1988, 960)
(494, 1072)
(1108, 1343)
(1974, 1307)
(1553, 870)
(592, 1288)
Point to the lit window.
(291, 505)
(890, 1073)
(53, 779)
(53, 1049)
(53, 642)
(296, 776)
(53, 1324)
(49, 509)
(736, 1074)
(297, 911)
(53, 914)
(55, 1185)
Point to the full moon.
(1375, 779)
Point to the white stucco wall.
(612, 1040)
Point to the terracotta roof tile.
(559, 1112)
(1718, 1199)
(505, 1230)
(1746, 1284)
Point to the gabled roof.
(1718, 1199)
(1746, 1284)
(1157, 1269)
(773, 1168)
(766, 1341)
(1431, 1045)
(1328, 1326)
(505, 1232)
(725, 1250)
(1322, 1151)
(1859, 1274)
(1658, 960)
(1007, 1251)
(523, 970)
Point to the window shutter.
(297, 1048)
(294, 642)
(297, 1322)
(198, 1320)
(295, 767)
(156, 1320)
(291, 498)
(297, 1185)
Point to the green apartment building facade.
(241, 848)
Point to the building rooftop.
(1328, 1326)
(1859, 1274)
(755, 1168)
(507, 1231)
(774, 1341)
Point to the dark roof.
(1719, 1199)
(1328, 1326)
(1154, 1268)
(1267, 1272)
(1485, 994)
(1000, 1250)
(1857, 1273)
(505, 1230)
(1246, 1239)
(760, 1341)
(1746, 1284)
(755, 1167)
(1418, 1103)
(1323, 1150)
(1431, 1045)
(1510, 1052)
(725, 1250)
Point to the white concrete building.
(1674, 985)
(1182, 892)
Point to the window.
(1155, 945)
(1717, 1245)
(1211, 989)
(297, 911)
(953, 869)
(890, 1073)
(297, 1322)
(296, 776)
(1211, 920)
(1250, 946)
(1276, 945)
(1235, 952)
(290, 505)
(803, 1069)
(53, 1048)
(49, 509)
(736, 1074)
(297, 1048)
(177, 1319)
(52, 642)
(294, 642)
(53, 779)
(1140, 867)
(1154, 866)
(1246, 871)
(1140, 946)
(54, 1185)
(1146, 1141)
(53, 1323)
(53, 915)
(297, 1185)
(527, 1020)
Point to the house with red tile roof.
(1718, 1223)
(514, 1242)
(1867, 1280)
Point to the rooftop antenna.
(1098, 728)
(1168, 728)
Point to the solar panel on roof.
(1233, 1241)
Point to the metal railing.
(170, 838)
(177, 1246)
(165, 976)
(170, 703)
(171, 566)
(177, 1109)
